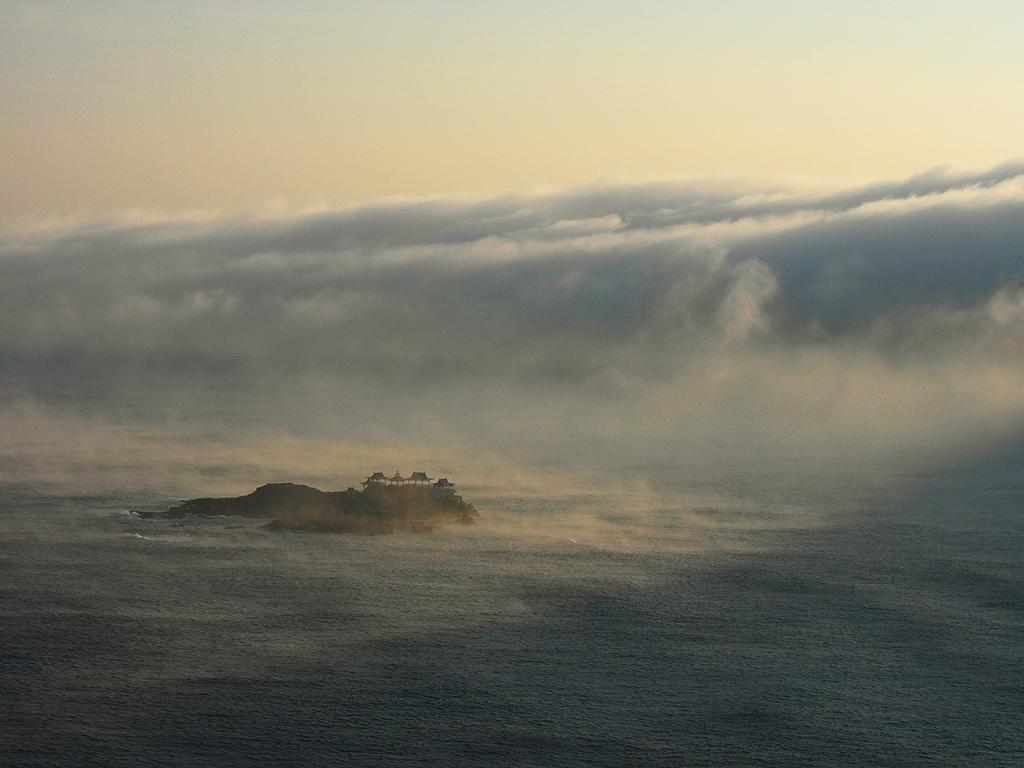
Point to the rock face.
(378, 509)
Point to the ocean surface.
(767, 618)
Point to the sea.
(763, 616)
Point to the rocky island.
(385, 505)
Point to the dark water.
(832, 622)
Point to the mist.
(711, 322)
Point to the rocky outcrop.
(377, 510)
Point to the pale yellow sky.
(227, 105)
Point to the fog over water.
(691, 319)
(747, 458)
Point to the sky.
(228, 105)
(242, 241)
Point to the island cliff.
(379, 508)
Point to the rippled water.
(787, 622)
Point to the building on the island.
(444, 489)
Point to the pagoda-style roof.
(443, 483)
(419, 477)
(377, 478)
(397, 478)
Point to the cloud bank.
(633, 320)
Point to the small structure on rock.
(385, 505)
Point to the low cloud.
(599, 322)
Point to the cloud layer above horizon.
(649, 317)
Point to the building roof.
(396, 478)
(419, 476)
(377, 476)
(443, 483)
